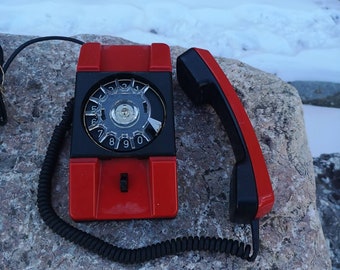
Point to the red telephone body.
(123, 162)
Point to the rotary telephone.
(123, 156)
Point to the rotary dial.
(124, 115)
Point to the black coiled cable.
(89, 241)
(4, 67)
(107, 250)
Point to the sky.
(296, 40)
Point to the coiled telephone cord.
(109, 251)
(90, 242)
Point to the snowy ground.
(297, 40)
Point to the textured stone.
(38, 85)
(327, 168)
(318, 93)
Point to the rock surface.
(38, 85)
(327, 168)
(318, 93)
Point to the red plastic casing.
(124, 58)
(95, 188)
(265, 192)
(94, 183)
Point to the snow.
(296, 40)
(322, 126)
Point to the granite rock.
(327, 168)
(318, 93)
(38, 85)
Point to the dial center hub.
(124, 113)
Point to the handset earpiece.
(202, 79)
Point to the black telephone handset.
(202, 79)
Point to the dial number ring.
(124, 115)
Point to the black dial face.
(124, 115)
